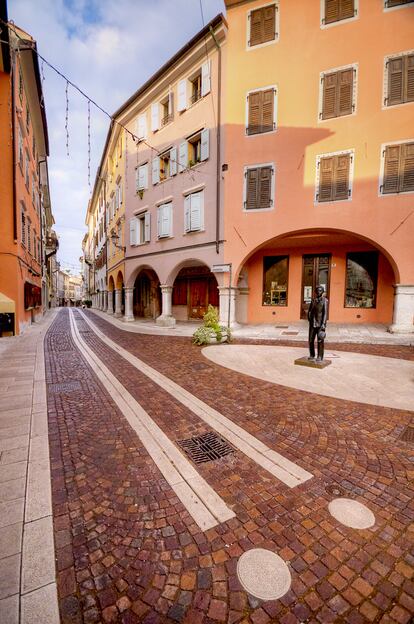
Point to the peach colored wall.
(294, 64)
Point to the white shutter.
(142, 177)
(147, 227)
(173, 161)
(205, 144)
(142, 126)
(168, 219)
(182, 95)
(120, 194)
(187, 210)
(196, 211)
(155, 117)
(205, 79)
(170, 102)
(183, 156)
(156, 170)
(133, 231)
(138, 178)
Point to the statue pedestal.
(304, 361)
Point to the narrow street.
(128, 546)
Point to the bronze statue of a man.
(317, 314)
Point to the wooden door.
(198, 298)
(315, 272)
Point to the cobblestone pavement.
(127, 549)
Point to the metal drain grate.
(66, 386)
(206, 447)
(408, 434)
(200, 366)
(281, 326)
(290, 333)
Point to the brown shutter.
(267, 110)
(393, 3)
(329, 95)
(395, 81)
(341, 176)
(345, 88)
(346, 9)
(251, 189)
(256, 36)
(391, 169)
(331, 11)
(265, 186)
(409, 78)
(407, 168)
(326, 176)
(269, 22)
(255, 112)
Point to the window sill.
(255, 210)
(255, 134)
(186, 233)
(339, 22)
(391, 106)
(162, 238)
(332, 201)
(395, 193)
(249, 48)
(328, 119)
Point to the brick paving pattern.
(128, 551)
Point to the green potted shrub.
(211, 331)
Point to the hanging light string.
(67, 117)
(89, 143)
(100, 108)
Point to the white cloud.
(108, 49)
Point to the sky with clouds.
(108, 49)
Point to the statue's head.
(319, 291)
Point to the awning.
(6, 305)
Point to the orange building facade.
(26, 218)
(319, 160)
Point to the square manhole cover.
(408, 434)
(290, 333)
(281, 326)
(66, 386)
(206, 447)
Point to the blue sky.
(89, 42)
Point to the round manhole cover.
(351, 513)
(263, 574)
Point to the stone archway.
(147, 295)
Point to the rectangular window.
(258, 187)
(144, 228)
(27, 118)
(196, 149)
(164, 160)
(142, 177)
(337, 10)
(23, 228)
(261, 111)
(26, 172)
(167, 111)
(400, 79)
(195, 84)
(194, 212)
(262, 27)
(275, 280)
(388, 4)
(361, 279)
(334, 177)
(20, 85)
(338, 93)
(20, 147)
(398, 169)
(29, 237)
(164, 215)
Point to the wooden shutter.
(391, 169)
(267, 110)
(345, 92)
(326, 178)
(265, 187)
(173, 161)
(251, 188)
(205, 78)
(269, 23)
(331, 11)
(254, 114)
(182, 95)
(407, 167)
(256, 36)
(330, 82)
(346, 9)
(341, 176)
(409, 78)
(147, 227)
(205, 144)
(395, 81)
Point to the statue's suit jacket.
(318, 312)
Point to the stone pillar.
(403, 318)
(129, 304)
(105, 300)
(225, 301)
(110, 308)
(166, 319)
(100, 300)
(118, 302)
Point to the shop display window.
(361, 279)
(275, 280)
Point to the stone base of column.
(128, 319)
(108, 311)
(118, 314)
(165, 321)
(401, 329)
(403, 319)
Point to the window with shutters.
(194, 212)
(397, 168)
(165, 165)
(391, 4)
(334, 11)
(259, 187)
(263, 25)
(166, 109)
(23, 226)
(142, 177)
(140, 232)
(261, 111)
(399, 79)
(164, 220)
(191, 89)
(334, 176)
(195, 87)
(338, 92)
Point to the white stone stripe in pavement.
(283, 469)
(200, 500)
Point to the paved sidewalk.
(296, 332)
(27, 562)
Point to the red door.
(198, 298)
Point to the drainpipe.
(13, 105)
(218, 167)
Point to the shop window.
(262, 25)
(361, 279)
(275, 280)
(399, 77)
(398, 174)
(32, 296)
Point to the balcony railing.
(195, 97)
(165, 120)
